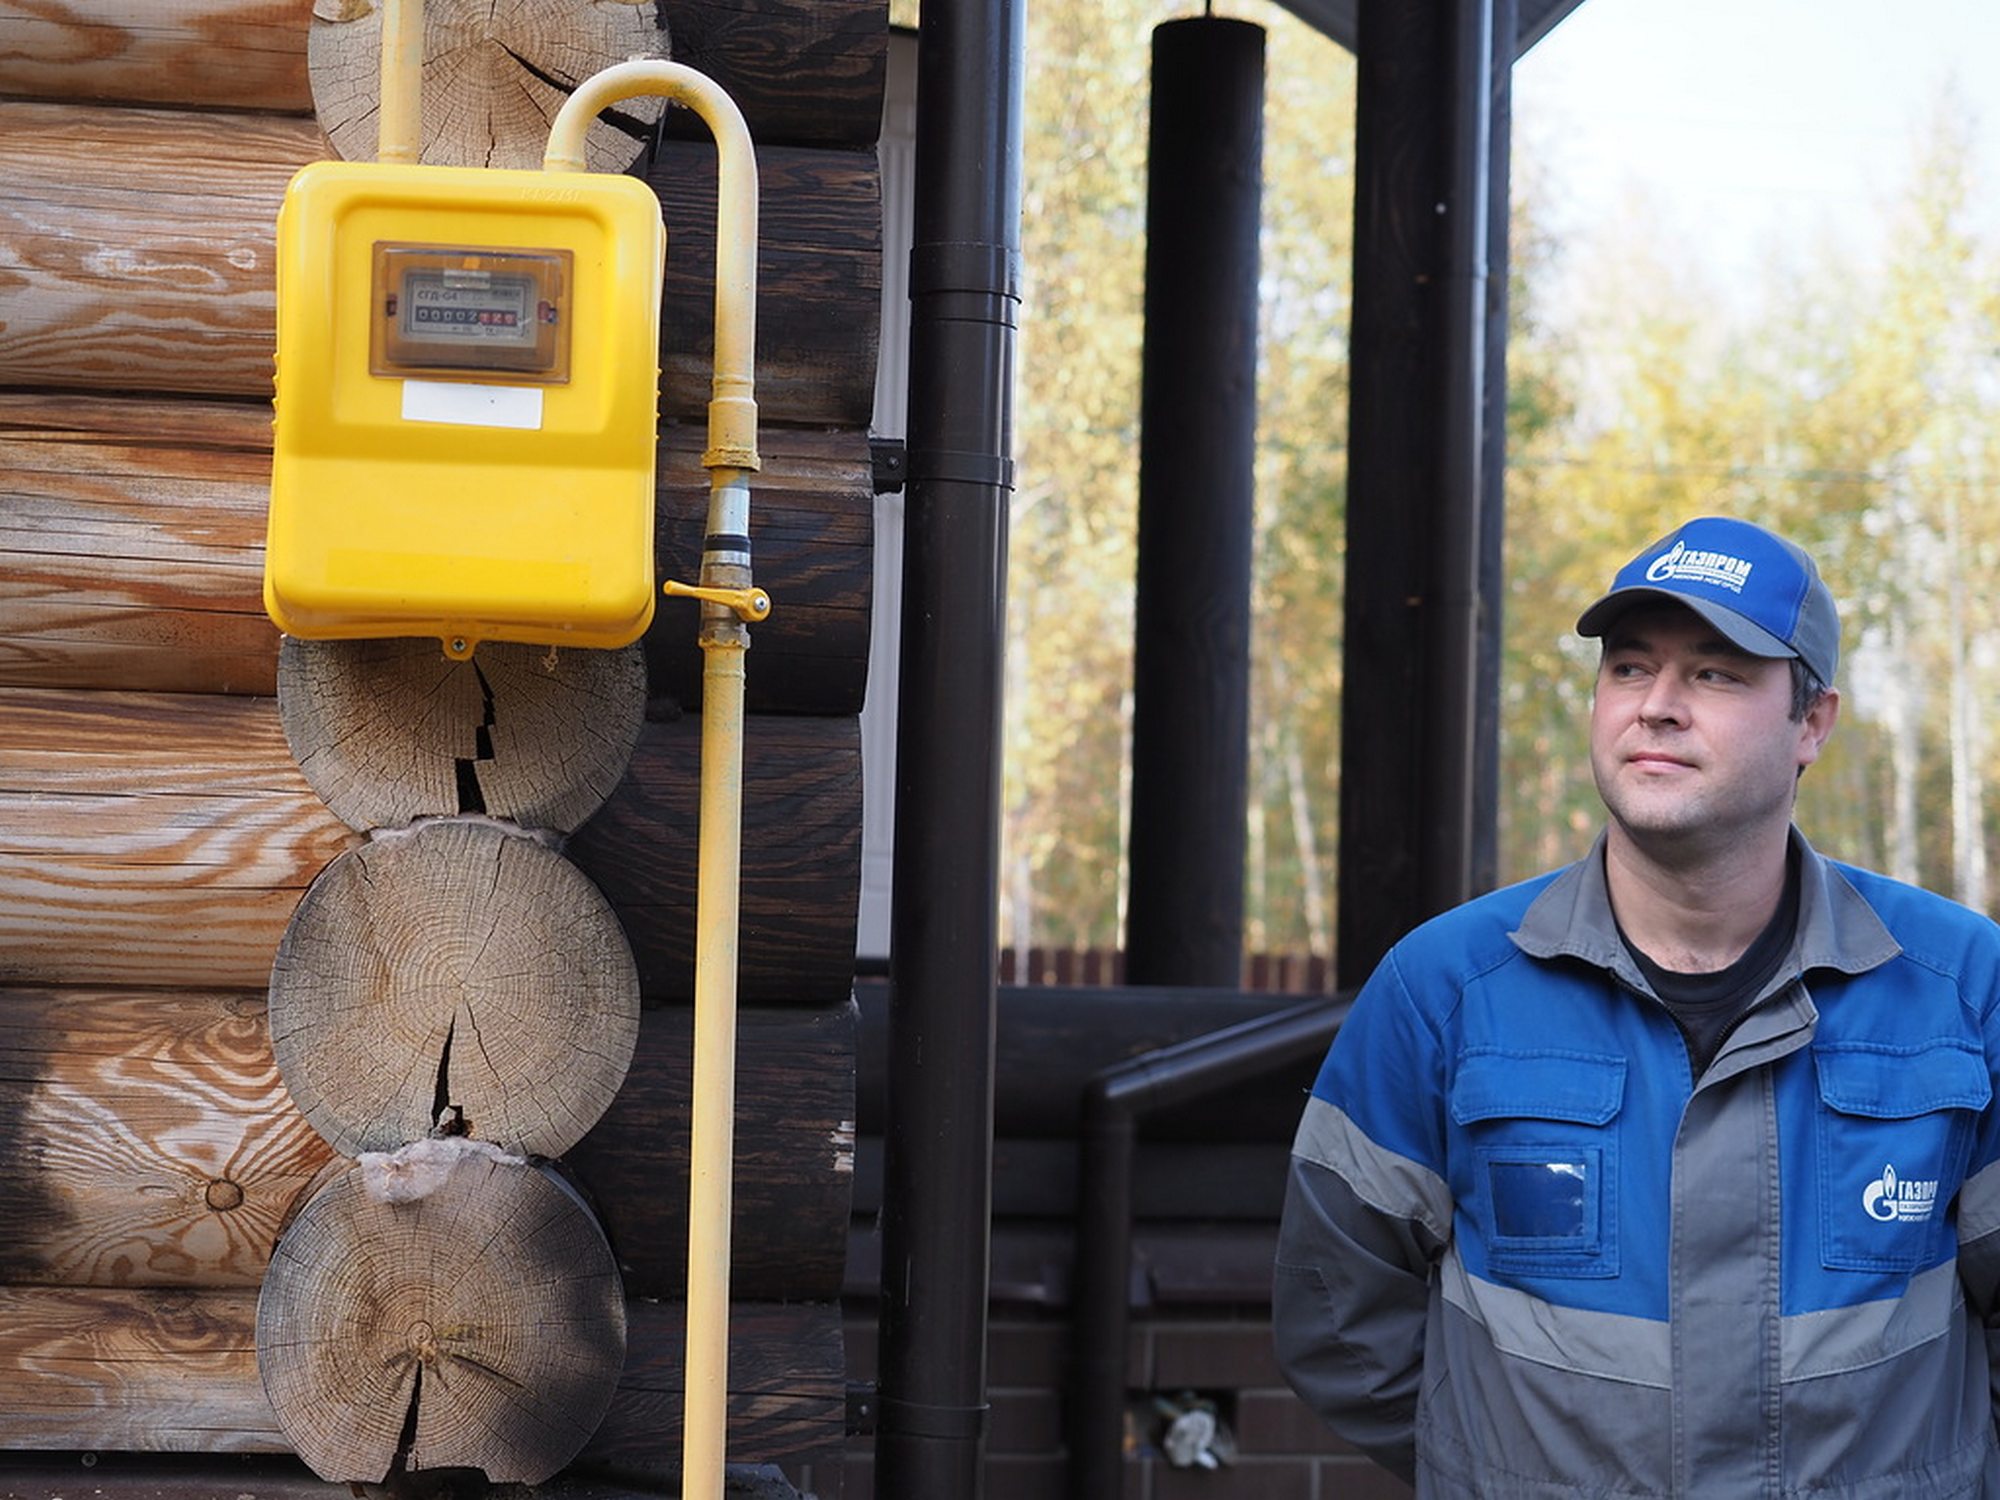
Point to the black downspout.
(1114, 1103)
(937, 1152)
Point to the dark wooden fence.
(1277, 973)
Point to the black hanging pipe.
(1114, 1104)
(1197, 458)
(944, 942)
(1411, 817)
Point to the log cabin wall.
(157, 834)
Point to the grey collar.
(1838, 929)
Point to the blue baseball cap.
(1762, 592)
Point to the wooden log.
(150, 1371)
(819, 282)
(787, 1389)
(132, 553)
(149, 1142)
(151, 838)
(204, 54)
(457, 976)
(177, 1372)
(148, 1138)
(391, 731)
(444, 1307)
(132, 545)
(804, 72)
(136, 250)
(801, 859)
(794, 1176)
(812, 530)
(494, 73)
(136, 246)
(164, 839)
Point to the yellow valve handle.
(749, 604)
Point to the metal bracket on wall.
(892, 464)
(861, 1402)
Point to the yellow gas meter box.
(467, 392)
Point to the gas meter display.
(453, 310)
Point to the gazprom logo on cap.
(1680, 564)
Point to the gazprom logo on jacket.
(1718, 569)
(1893, 1199)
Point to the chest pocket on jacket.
(1544, 1157)
(1894, 1128)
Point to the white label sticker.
(473, 405)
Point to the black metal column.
(1493, 468)
(1197, 450)
(938, 1162)
(1416, 459)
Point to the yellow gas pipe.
(728, 601)
(399, 121)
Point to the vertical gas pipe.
(728, 601)
(938, 1153)
(399, 120)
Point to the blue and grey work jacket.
(1527, 1254)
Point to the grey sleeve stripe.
(1979, 1204)
(1610, 1346)
(1852, 1338)
(1606, 1346)
(1386, 1181)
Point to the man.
(1673, 1172)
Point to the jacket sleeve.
(1977, 1211)
(1367, 1213)
(1978, 1220)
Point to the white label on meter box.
(468, 405)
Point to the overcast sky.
(1753, 122)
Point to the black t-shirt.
(1707, 1007)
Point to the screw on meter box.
(467, 394)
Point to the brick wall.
(1283, 1453)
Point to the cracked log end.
(481, 1326)
(457, 976)
(495, 73)
(388, 731)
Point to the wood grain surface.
(151, 839)
(458, 976)
(165, 839)
(136, 246)
(177, 1372)
(801, 858)
(151, 1142)
(494, 74)
(136, 251)
(804, 72)
(208, 54)
(390, 731)
(132, 553)
(448, 1308)
(794, 1136)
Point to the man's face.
(1691, 740)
